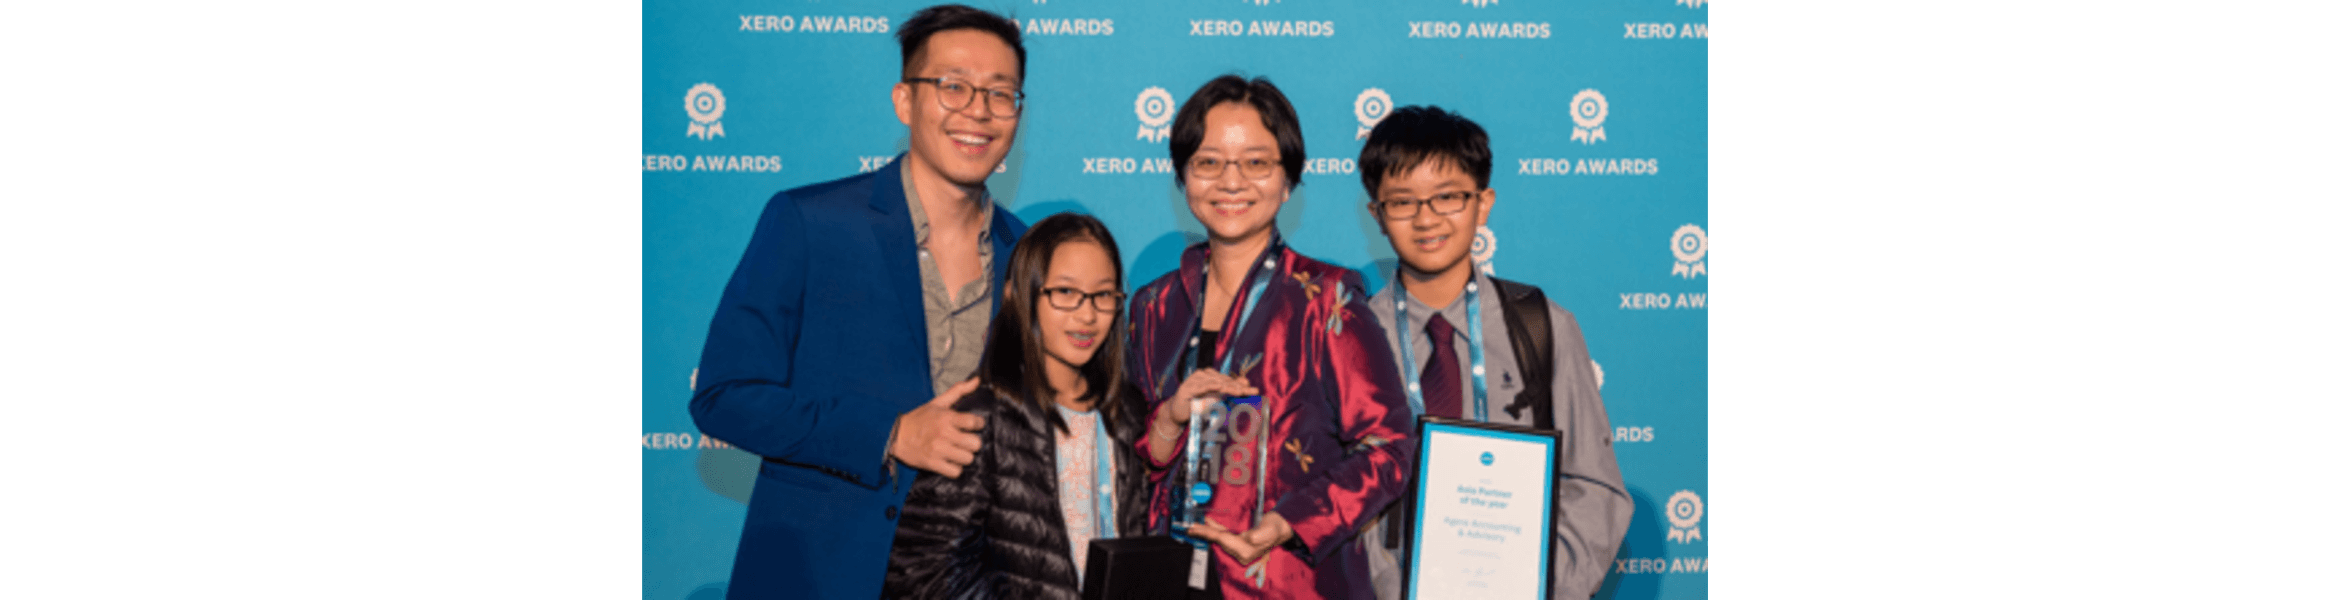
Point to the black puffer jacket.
(996, 532)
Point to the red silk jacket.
(1339, 446)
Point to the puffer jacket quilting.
(996, 532)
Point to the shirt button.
(890, 513)
(1105, 488)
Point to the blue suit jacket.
(817, 346)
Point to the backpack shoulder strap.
(1526, 311)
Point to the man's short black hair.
(1191, 123)
(917, 30)
(1413, 135)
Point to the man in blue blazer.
(856, 318)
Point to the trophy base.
(1146, 567)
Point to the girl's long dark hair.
(1013, 363)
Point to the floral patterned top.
(1078, 457)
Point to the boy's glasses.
(1397, 209)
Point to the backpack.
(1527, 313)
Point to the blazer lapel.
(893, 236)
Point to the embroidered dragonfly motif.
(1304, 463)
(1307, 282)
(1338, 312)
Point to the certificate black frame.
(1418, 493)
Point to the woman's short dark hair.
(1191, 123)
(1413, 135)
(917, 30)
(1013, 363)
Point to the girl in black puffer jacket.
(1059, 414)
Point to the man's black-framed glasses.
(1070, 298)
(1397, 209)
(955, 94)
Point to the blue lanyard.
(1105, 508)
(1105, 486)
(1265, 275)
(1192, 433)
(1403, 336)
(1256, 291)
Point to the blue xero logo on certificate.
(1485, 459)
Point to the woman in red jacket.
(1313, 439)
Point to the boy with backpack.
(1426, 170)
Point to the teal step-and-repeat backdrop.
(1596, 108)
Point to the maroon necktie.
(1440, 382)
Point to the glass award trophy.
(1225, 452)
(1195, 483)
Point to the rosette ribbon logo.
(1691, 3)
(1684, 509)
(1590, 111)
(1371, 106)
(1480, 3)
(1481, 250)
(704, 104)
(1689, 251)
(1155, 108)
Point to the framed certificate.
(1481, 511)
